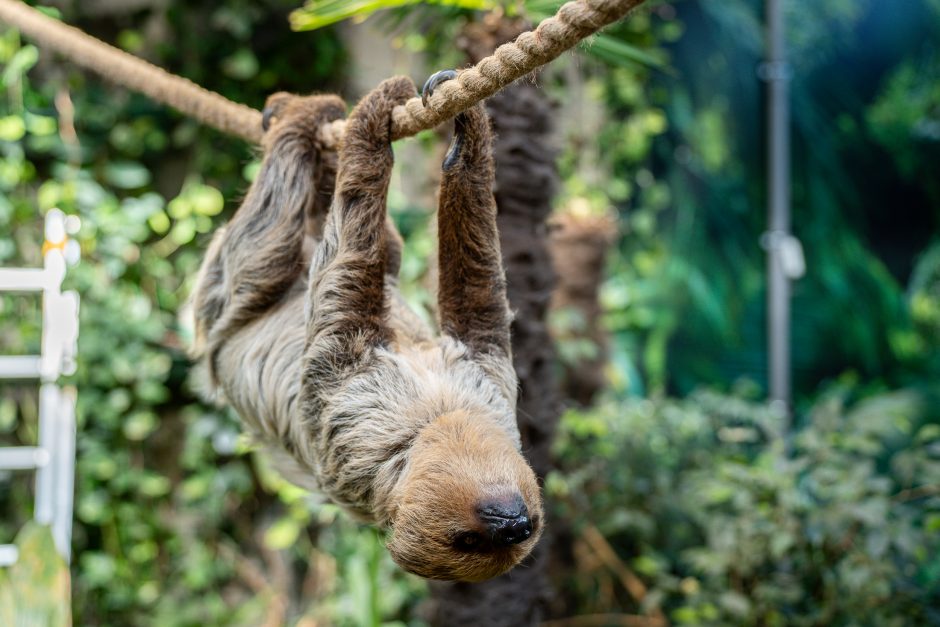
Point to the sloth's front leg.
(257, 257)
(472, 290)
(347, 308)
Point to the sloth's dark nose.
(507, 520)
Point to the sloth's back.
(259, 367)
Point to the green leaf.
(180, 207)
(183, 232)
(159, 222)
(155, 485)
(242, 65)
(618, 52)
(41, 125)
(139, 425)
(319, 13)
(25, 58)
(207, 200)
(12, 128)
(126, 174)
(282, 534)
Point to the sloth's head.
(468, 504)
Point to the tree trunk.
(526, 179)
(579, 246)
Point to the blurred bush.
(701, 499)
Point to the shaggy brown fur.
(352, 394)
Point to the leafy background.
(679, 476)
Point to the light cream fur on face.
(347, 389)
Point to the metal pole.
(776, 72)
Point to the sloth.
(301, 329)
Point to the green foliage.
(319, 13)
(612, 49)
(611, 168)
(701, 499)
(687, 292)
(925, 301)
(905, 118)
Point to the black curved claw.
(433, 81)
(266, 115)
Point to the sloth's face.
(468, 505)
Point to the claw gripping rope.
(573, 22)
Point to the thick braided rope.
(573, 22)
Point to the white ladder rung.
(25, 279)
(20, 367)
(8, 554)
(23, 457)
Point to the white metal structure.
(53, 458)
(785, 260)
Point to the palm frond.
(615, 51)
(319, 13)
(609, 48)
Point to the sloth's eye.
(468, 541)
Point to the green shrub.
(702, 499)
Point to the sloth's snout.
(507, 520)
